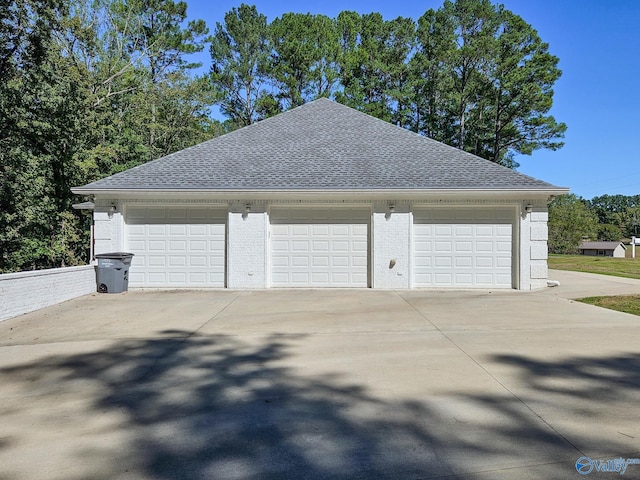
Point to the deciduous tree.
(570, 220)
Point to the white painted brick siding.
(539, 232)
(391, 241)
(539, 271)
(25, 292)
(539, 214)
(108, 230)
(538, 252)
(247, 250)
(533, 248)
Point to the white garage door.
(176, 246)
(319, 248)
(463, 248)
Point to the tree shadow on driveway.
(224, 407)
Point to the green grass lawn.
(619, 267)
(621, 303)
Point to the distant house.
(603, 249)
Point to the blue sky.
(598, 95)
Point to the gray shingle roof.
(321, 145)
(601, 245)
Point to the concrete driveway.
(322, 384)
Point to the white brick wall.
(247, 248)
(108, 229)
(533, 248)
(28, 291)
(391, 247)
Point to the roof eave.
(303, 194)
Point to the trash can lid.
(114, 255)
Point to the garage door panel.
(280, 261)
(441, 247)
(340, 278)
(423, 262)
(487, 232)
(359, 279)
(279, 229)
(340, 231)
(299, 261)
(360, 261)
(443, 278)
(484, 279)
(463, 230)
(321, 278)
(157, 260)
(319, 248)
(300, 246)
(422, 245)
(136, 245)
(445, 262)
(444, 231)
(357, 246)
(280, 278)
(503, 231)
(484, 262)
(216, 266)
(503, 262)
(321, 261)
(197, 261)
(156, 245)
(157, 231)
(177, 261)
(482, 246)
(176, 247)
(464, 262)
(465, 246)
(300, 278)
(340, 246)
(279, 245)
(300, 230)
(217, 246)
(198, 230)
(177, 230)
(198, 278)
(339, 261)
(157, 278)
(196, 246)
(464, 279)
(476, 252)
(322, 246)
(320, 230)
(360, 229)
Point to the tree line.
(605, 218)
(89, 88)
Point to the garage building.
(325, 196)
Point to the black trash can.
(112, 273)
